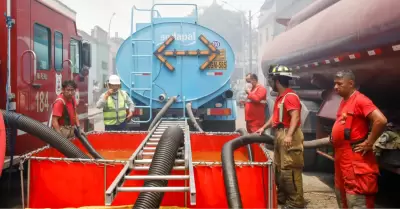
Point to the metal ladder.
(135, 71)
(147, 150)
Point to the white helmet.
(114, 80)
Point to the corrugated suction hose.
(162, 112)
(162, 164)
(243, 132)
(82, 138)
(44, 133)
(228, 165)
(192, 118)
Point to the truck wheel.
(219, 126)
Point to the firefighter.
(64, 115)
(356, 169)
(288, 150)
(256, 96)
(115, 103)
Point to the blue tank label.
(186, 38)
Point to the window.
(58, 51)
(74, 55)
(41, 46)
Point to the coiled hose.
(82, 138)
(243, 132)
(44, 133)
(162, 112)
(228, 165)
(162, 164)
(192, 118)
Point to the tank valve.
(162, 97)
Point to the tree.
(226, 23)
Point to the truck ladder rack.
(147, 149)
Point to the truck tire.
(219, 126)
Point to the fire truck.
(39, 49)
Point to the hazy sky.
(99, 12)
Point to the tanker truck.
(178, 65)
(332, 35)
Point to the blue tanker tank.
(177, 57)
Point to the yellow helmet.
(280, 70)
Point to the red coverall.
(355, 175)
(255, 108)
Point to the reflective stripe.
(280, 106)
(113, 116)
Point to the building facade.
(104, 51)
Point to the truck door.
(41, 79)
(34, 60)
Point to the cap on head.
(114, 80)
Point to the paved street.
(97, 116)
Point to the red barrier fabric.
(110, 145)
(61, 184)
(253, 187)
(208, 147)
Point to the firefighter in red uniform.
(356, 169)
(64, 116)
(255, 104)
(288, 149)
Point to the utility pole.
(250, 44)
(242, 59)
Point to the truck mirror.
(86, 54)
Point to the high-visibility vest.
(113, 116)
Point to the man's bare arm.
(294, 120)
(55, 124)
(268, 124)
(77, 119)
(378, 121)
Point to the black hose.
(82, 138)
(44, 133)
(228, 166)
(162, 112)
(162, 164)
(192, 118)
(243, 132)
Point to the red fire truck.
(40, 48)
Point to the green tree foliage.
(227, 23)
